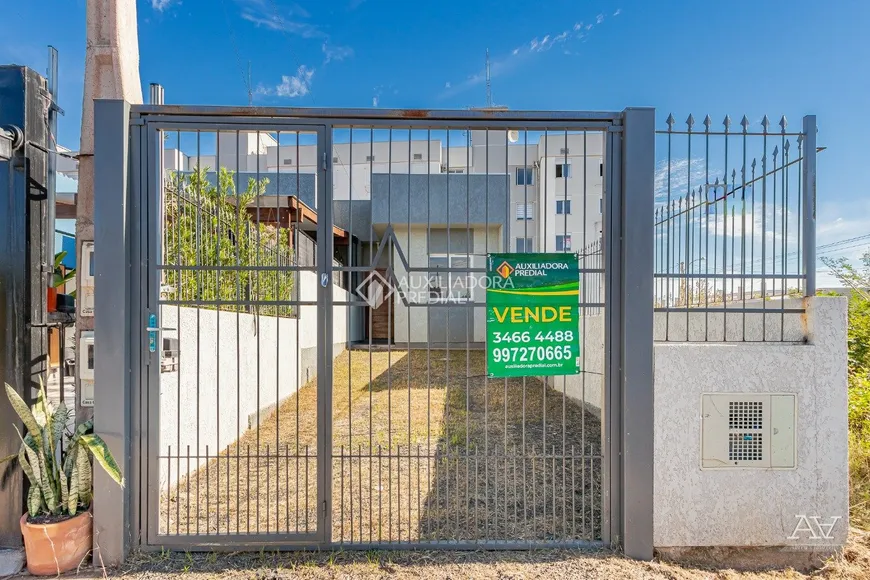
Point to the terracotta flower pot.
(59, 547)
(51, 300)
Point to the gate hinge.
(324, 160)
(325, 509)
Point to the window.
(449, 286)
(563, 170)
(370, 157)
(563, 243)
(525, 176)
(418, 156)
(525, 211)
(455, 171)
(288, 162)
(563, 206)
(564, 151)
(524, 245)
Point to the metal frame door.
(147, 244)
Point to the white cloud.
(500, 65)
(264, 13)
(374, 101)
(599, 19)
(160, 5)
(298, 85)
(618, 12)
(333, 52)
(682, 176)
(447, 85)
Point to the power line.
(246, 79)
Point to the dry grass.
(853, 564)
(424, 449)
(859, 481)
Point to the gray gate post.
(112, 325)
(638, 184)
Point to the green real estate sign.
(532, 315)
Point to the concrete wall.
(755, 507)
(470, 199)
(732, 325)
(234, 369)
(588, 386)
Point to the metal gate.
(313, 368)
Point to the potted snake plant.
(55, 455)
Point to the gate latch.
(324, 280)
(152, 330)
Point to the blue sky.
(738, 57)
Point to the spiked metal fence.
(734, 230)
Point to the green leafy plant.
(56, 458)
(60, 277)
(208, 225)
(857, 280)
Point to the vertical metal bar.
(198, 301)
(341, 500)
(685, 232)
(207, 494)
(408, 355)
(279, 248)
(380, 499)
(219, 297)
(238, 276)
(752, 239)
(370, 328)
(725, 239)
(800, 215)
(429, 452)
(287, 527)
(707, 236)
(258, 297)
(297, 277)
(305, 485)
(351, 284)
(187, 495)
(784, 269)
(764, 232)
(169, 489)
(743, 237)
(325, 337)
(808, 178)
(469, 239)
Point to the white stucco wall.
(754, 507)
(227, 380)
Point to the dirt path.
(853, 564)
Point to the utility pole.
(111, 72)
